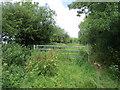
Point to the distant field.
(68, 44)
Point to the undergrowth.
(69, 74)
(52, 69)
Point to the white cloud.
(66, 18)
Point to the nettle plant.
(43, 64)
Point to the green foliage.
(14, 58)
(14, 54)
(100, 30)
(54, 69)
(43, 64)
(28, 23)
(73, 40)
(31, 24)
(70, 75)
(12, 75)
(60, 36)
(114, 71)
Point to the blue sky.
(66, 2)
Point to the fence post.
(34, 47)
(88, 52)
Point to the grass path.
(84, 76)
(71, 74)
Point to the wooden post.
(34, 47)
(88, 52)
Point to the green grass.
(54, 69)
(70, 75)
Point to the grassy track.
(70, 74)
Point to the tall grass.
(70, 74)
(53, 69)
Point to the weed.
(43, 64)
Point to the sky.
(66, 19)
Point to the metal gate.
(65, 49)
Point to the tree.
(100, 29)
(28, 23)
(60, 36)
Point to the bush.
(14, 54)
(43, 63)
(114, 72)
(14, 58)
(12, 76)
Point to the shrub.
(12, 76)
(114, 72)
(43, 63)
(14, 54)
(14, 58)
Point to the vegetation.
(52, 69)
(26, 24)
(60, 36)
(14, 58)
(100, 30)
(30, 24)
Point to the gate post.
(88, 52)
(34, 47)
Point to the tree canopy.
(28, 23)
(100, 29)
(60, 35)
